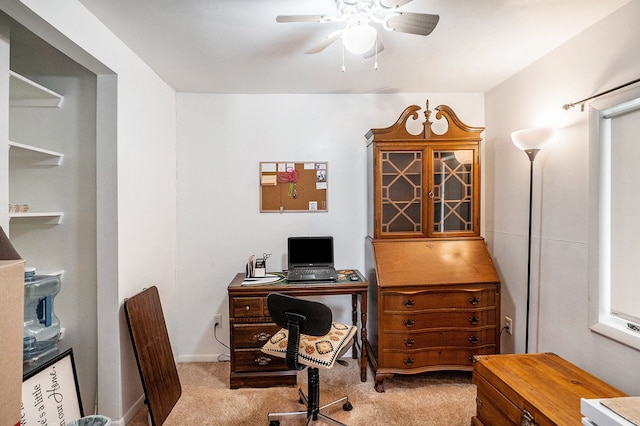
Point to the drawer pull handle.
(408, 361)
(474, 340)
(263, 337)
(408, 323)
(263, 360)
(474, 320)
(474, 300)
(247, 308)
(409, 342)
(478, 402)
(409, 303)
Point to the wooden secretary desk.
(434, 295)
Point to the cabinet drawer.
(466, 339)
(440, 299)
(244, 307)
(444, 319)
(253, 335)
(433, 357)
(252, 360)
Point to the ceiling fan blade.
(412, 23)
(390, 4)
(303, 18)
(324, 43)
(376, 49)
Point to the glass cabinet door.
(452, 195)
(401, 192)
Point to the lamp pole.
(530, 141)
(531, 153)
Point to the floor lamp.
(531, 141)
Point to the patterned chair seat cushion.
(314, 351)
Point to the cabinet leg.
(379, 385)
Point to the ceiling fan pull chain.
(375, 65)
(343, 68)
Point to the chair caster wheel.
(274, 423)
(347, 406)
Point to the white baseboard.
(133, 410)
(203, 358)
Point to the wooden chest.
(533, 389)
(436, 305)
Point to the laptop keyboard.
(323, 273)
(313, 271)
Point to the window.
(615, 221)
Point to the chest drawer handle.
(527, 419)
(262, 336)
(263, 360)
(474, 300)
(408, 361)
(409, 342)
(408, 323)
(247, 308)
(474, 320)
(409, 303)
(474, 340)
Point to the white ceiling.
(236, 46)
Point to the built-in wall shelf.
(38, 155)
(27, 93)
(54, 218)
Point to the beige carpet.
(439, 398)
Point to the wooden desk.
(250, 326)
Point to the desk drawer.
(444, 319)
(251, 360)
(440, 299)
(460, 338)
(244, 307)
(253, 335)
(441, 357)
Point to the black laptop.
(310, 259)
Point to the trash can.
(91, 421)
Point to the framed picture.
(50, 393)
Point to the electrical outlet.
(217, 320)
(508, 324)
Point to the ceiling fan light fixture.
(359, 38)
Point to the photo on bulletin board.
(293, 186)
(50, 393)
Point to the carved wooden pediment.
(456, 129)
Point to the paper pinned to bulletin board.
(293, 186)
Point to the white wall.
(221, 140)
(136, 198)
(601, 58)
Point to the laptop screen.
(310, 251)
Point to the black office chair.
(310, 339)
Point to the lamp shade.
(359, 38)
(529, 139)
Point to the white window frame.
(600, 319)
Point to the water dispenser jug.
(41, 325)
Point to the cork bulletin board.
(293, 186)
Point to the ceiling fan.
(360, 36)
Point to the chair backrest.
(298, 316)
